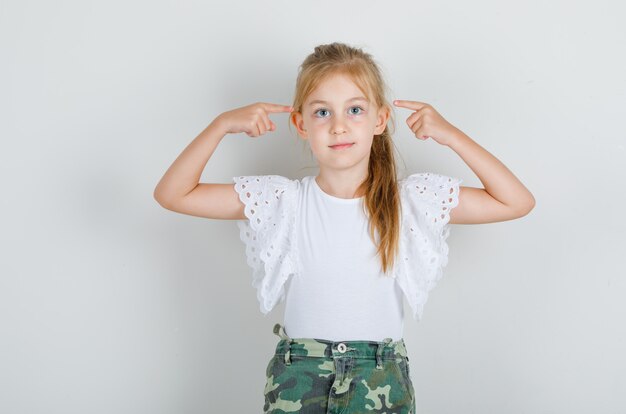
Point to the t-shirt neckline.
(333, 198)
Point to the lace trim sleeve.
(427, 199)
(270, 208)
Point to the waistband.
(323, 348)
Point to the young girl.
(344, 247)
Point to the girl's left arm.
(504, 196)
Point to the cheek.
(315, 144)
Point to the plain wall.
(110, 303)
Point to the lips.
(342, 146)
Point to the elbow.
(159, 198)
(156, 193)
(527, 207)
(531, 203)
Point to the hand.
(426, 122)
(252, 119)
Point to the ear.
(298, 122)
(383, 117)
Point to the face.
(338, 112)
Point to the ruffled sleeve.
(268, 233)
(426, 200)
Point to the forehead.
(337, 88)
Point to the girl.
(343, 248)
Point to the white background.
(111, 304)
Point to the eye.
(356, 107)
(321, 110)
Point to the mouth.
(342, 146)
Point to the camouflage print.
(314, 376)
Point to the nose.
(337, 127)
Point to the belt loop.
(379, 351)
(288, 353)
(280, 331)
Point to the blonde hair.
(381, 198)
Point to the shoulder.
(256, 181)
(432, 188)
(267, 198)
(427, 182)
(265, 187)
(430, 197)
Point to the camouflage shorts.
(307, 375)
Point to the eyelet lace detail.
(270, 208)
(427, 199)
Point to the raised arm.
(504, 196)
(179, 189)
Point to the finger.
(270, 107)
(415, 116)
(254, 130)
(266, 122)
(409, 104)
(416, 127)
(261, 126)
(270, 125)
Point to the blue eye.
(356, 107)
(320, 110)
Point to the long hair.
(381, 199)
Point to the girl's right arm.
(180, 190)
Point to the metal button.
(341, 347)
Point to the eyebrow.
(356, 98)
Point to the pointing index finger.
(270, 107)
(409, 104)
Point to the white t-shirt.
(314, 251)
